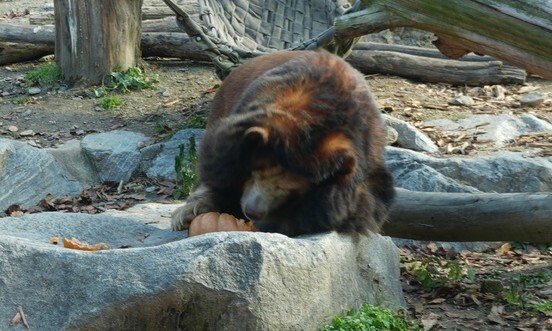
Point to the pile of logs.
(161, 37)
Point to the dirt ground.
(57, 114)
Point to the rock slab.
(501, 172)
(220, 281)
(28, 174)
(115, 154)
(498, 128)
(158, 160)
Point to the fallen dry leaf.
(19, 317)
(16, 319)
(74, 243)
(437, 301)
(170, 103)
(507, 247)
(27, 133)
(495, 315)
(23, 317)
(430, 321)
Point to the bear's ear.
(336, 155)
(256, 136)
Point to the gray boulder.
(115, 154)
(71, 156)
(220, 281)
(498, 128)
(532, 99)
(28, 174)
(501, 172)
(158, 160)
(410, 137)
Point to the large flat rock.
(164, 281)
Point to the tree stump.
(95, 36)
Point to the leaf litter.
(503, 289)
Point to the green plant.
(544, 307)
(432, 272)
(110, 103)
(197, 121)
(132, 79)
(518, 294)
(23, 100)
(98, 93)
(162, 128)
(371, 318)
(186, 169)
(45, 75)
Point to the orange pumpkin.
(217, 222)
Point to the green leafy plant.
(132, 79)
(45, 75)
(186, 169)
(197, 121)
(98, 93)
(112, 102)
(432, 272)
(163, 128)
(371, 318)
(23, 100)
(519, 295)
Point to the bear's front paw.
(182, 217)
(198, 202)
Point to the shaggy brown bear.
(295, 143)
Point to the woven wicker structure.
(232, 31)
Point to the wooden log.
(28, 34)
(38, 41)
(95, 36)
(518, 32)
(525, 217)
(148, 13)
(167, 24)
(172, 44)
(434, 70)
(418, 51)
(25, 43)
(20, 52)
(178, 45)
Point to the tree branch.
(514, 31)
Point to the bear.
(294, 142)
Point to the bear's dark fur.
(295, 143)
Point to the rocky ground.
(503, 288)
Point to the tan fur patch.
(338, 145)
(294, 99)
(276, 178)
(268, 188)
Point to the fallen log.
(418, 51)
(179, 45)
(25, 43)
(46, 17)
(525, 217)
(519, 32)
(434, 70)
(164, 24)
(173, 44)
